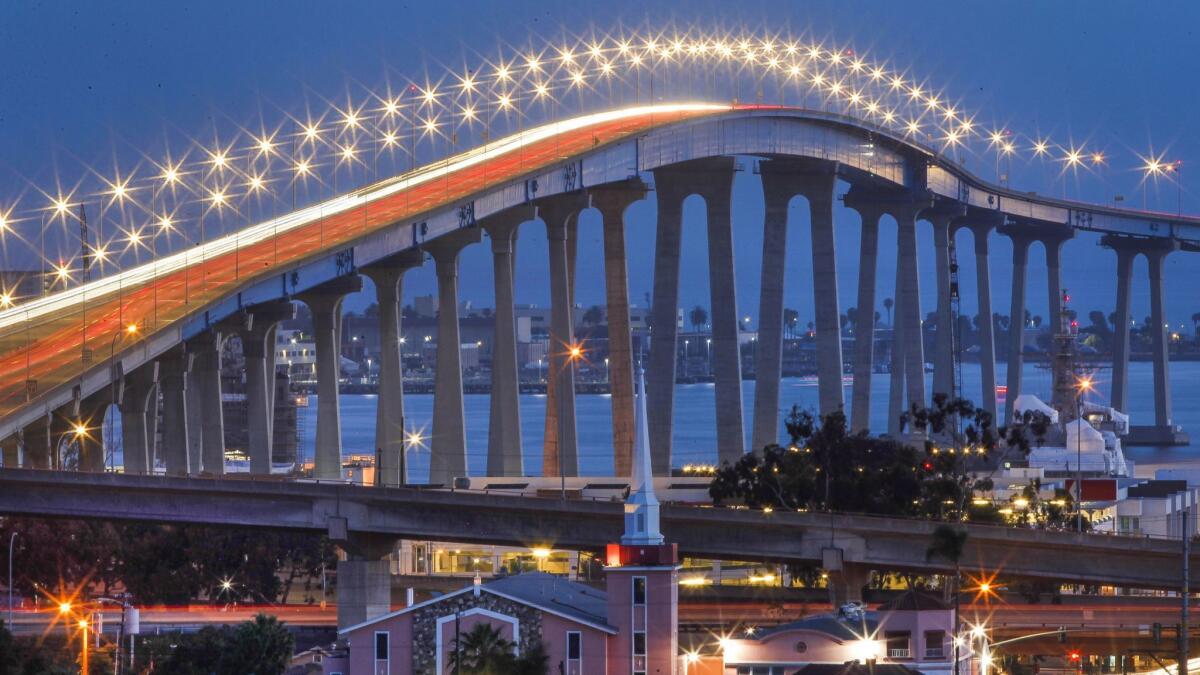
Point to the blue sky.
(90, 82)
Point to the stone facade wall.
(425, 624)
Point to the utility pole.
(1185, 590)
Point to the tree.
(790, 319)
(888, 303)
(594, 316)
(482, 651)
(1196, 323)
(698, 317)
(261, 647)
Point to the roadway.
(356, 514)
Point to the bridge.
(360, 517)
(546, 140)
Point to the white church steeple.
(641, 508)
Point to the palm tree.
(948, 542)
(593, 316)
(698, 317)
(1196, 323)
(888, 303)
(482, 651)
(790, 318)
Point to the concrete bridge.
(368, 520)
(53, 383)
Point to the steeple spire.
(641, 508)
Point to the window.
(934, 644)
(574, 644)
(897, 645)
(639, 643)
(381, 647)
(639, 590)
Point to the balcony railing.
(934, 653)
(898, 653)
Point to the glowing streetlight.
(311, 132)
(265, 146)
(131, 329)
(217, 197)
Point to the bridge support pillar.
(778, 189)
(870, 208)
(258, 347)
(726, 354)
(817, 185)
(1053, 247)
(388, 277)
(672, 186)
(195, 415)
(10, 452)
(325, 303)
(136, 439)
(1120, 366)
(173, 375)
(908, 346)
(91, 414)
(612, 204)
(987, 337)
(1016, 324)
(364, 581)
(943, 365)
(36, 444)
(504, 456)
(448, 445)
(560, 450)
(846, 584)
(1158, 338)
(209, 415)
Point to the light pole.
(11, 540)
(1082, 386)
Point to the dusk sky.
(84, 83)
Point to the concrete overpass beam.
(258, 344)
(778, 189)
(726, 354)
(325, 302)
(388, 277)
(817, 184)
(448, 446)
(612, 204)
(173, 375)
(870, 208)
(136, 439)
(561, 446)
(987, 337)
(504, 420)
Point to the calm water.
(695, 429)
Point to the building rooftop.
(842, 629)
(554, 593)
(913, 601)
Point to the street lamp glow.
(265, 146)
(302, 167)
(165, 223)
(220, 159)
(61, 207)
(256, 183)
(64, 607)
(80, 430)
(6, 300)
(131, 329)
(217, 197)
(391, 107)
(311, 132)
(170, 175)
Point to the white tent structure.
(1029, 402)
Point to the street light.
(1082, 386)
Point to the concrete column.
(36, 441)
(846, 585)
(870, 211)
(92, 412)
(325, 302)
(778, 189)
(987, 338)
(1120, 367)
(195, 414)
(10, 452)
(448, 445)
(388, 277)
(1054, 303)
(1016, 325)
(943, 363)
(818, 187)
(561, 448)
(140, 387)
(896, 368)
(726, 349)
(206, 382)
(504, 419)
(672, 186)
(270, 363)
(909, 304)
(258, 341)
(1158, 337)
(173, 371)
(364, 581)
(612, 204)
